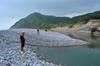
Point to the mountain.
(37, 20)
(86, 17)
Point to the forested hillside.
(37, 20)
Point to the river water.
(73, 56)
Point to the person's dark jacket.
(22, 39)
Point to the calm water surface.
(73, 56)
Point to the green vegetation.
(37, 20)
(92, 31)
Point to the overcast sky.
(13, 10)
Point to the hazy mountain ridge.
(37, 20)
(84, 18)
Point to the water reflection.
(72, 56)
(94, 42)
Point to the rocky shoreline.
(10, 54)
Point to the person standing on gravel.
(37, 31)
(22, 40)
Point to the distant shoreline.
(93, 42)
